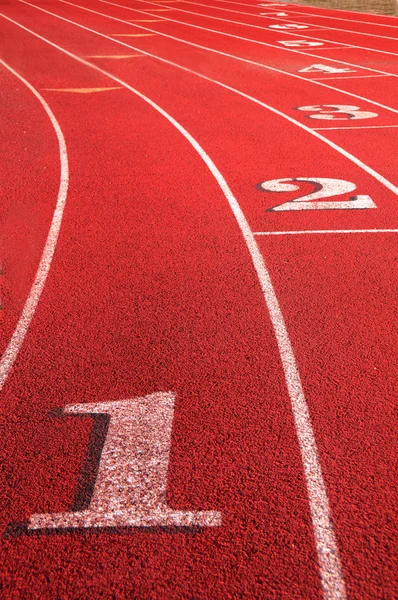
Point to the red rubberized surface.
(152, 289)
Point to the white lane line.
(315, 231)
(116, 56)
(319, 136)
(219, 52)
(349, 77)
(326, 41)
(133, 34)
(287, 20)
(264, 28)
(346, 47)
(353, 19)
(10, 355)
(363, 127)
(328, 555)
(284, 48)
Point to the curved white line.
(161, 33)
(328, 556)
(193, 44)
(259, 27)
(8, 359)
(287, 20)
(313, 132)
(281, 48)
(320, 16)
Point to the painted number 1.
(130, 488)
(323, 188)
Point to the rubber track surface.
(172, 273)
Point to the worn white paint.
(324, 69)
(288, 26)
(244, 60)
(131, 485)
(11, 352)
(337, 112)
(324, 188)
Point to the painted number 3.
(323, 188)
(336, 112)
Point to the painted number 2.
(130, 487)
(323, 188)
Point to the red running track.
(143, 260)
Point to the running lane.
(151, 290)
(265, 47)
(345, 345)
(293, 95)
(29, 182)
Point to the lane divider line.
(258, 26)
(331, 574)
(300, 13)
(314, 231)
(183, 41)
(11, 353)
(311, 37)
(340, 150)
(285, 20)
(284, 48)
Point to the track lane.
(90, 304)
(232, 31)
(264, 17)
(34, 184)
(320, 11)
(160, 30)
(350, 15)
(378, 45)
(354, 142)
(273, 13)
(242, 173)
(257, 25)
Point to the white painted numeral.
(337, 112)
(299, 43)
(288, 26)
(325, 69)
(323, 188)
(130, 488)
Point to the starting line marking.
(81, 90)
(325, 231)
(350, 77)
(133, 34)
(364, 127)
(334, 48)
(114, 56)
